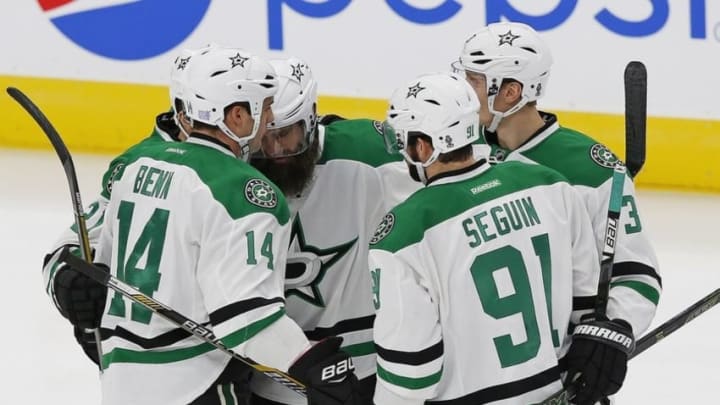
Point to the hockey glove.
(80, 299)
(599, 354)
(328, 374)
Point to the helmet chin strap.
(243, 142)
(420, 167)
(497, 116)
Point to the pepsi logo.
(126, 29)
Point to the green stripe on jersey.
(120, 355)
(359, 349)
(408, 382)
(359, 140)
(227, 392)
(571, 154)
(437, 203)
(226, 176)
(641, 288)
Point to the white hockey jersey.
(588, 165)
(355, 183)
(207, 235)
(473, 281)
(95, 213)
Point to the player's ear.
(512, 92)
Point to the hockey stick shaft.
(70, 174)
(635, 78)
(611, 235)
(175, 317)
(651, 338)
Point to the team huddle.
(447, 255)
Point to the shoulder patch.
(601, 155)
(114, 176)
(261, 193)
(383, 230)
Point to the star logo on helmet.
(182, 63)
(238, 60)
(508, 38)
(297, 71)
(414, 90)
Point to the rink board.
(105, 117)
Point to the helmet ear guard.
(507, 50)
(442, 106)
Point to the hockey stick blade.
(195, 328)
(69, 167)
(65, 159)
(563, 396)
(635, 116)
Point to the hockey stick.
(108, 280)
(176, 318)
(611, 234)
(563, 396)
(635, 116)
(67, 163)
(635, 79)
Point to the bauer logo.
(125, 29)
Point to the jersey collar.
(463, 174)
(551, 125)
(210, 142)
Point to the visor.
(394, 142)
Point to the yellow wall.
(109, 117)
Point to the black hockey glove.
(328, 374)
(80, 299)
(599, 353)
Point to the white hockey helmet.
(507, 50)
(442, 106)
(219, 77)
(296, 99)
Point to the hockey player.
(508, 65)
(202, 231)
(339, 182)
(473, 275)
(79, 299)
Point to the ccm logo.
(338, 369)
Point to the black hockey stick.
(67, 162)
(563, 396)
(176, 318)
(108, 280)
(635, 116)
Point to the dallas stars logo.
(238, 60)
(182, 63)
(508, 38)
(414, 90)
(328, 256)
(297, 71)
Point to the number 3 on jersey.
(149, 245)
(500, 305)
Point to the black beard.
(413, 172)
(292, 176)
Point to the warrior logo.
(260, 193)
(603, 156)
(386, 225)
